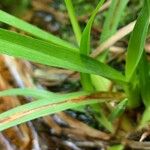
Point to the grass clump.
(50, 50)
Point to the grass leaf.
(85, 47)
(109, 28)
(73, 19)
(104, 121)
(137, 41)
(111, 23)
(53, 55)
(33, 30)
(145, 117)
(144, 79)
(36, 93)
(41, 108)
(85, 39)
(116, 147)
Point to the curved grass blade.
(53, 55)
(73, 19)
(36, 93)
(49, 104)
(39, 94)
(85, 47)
(137, 41)
(40, 108)
(85, 39)
(33, 30)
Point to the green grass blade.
(144, 79)
(73, 19)
(134, 54)
(53, 55)
(85, 39)
(100, 116)
(132, 91)
(103, 120)
(33, 30)
(86, 82)
(111, 23)
(137, 41)
(85, 47)
(110, 26)
(38, 109)
(116, 147)
(118, 111)
(100, 83)
(145, 118)
(36, 93)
